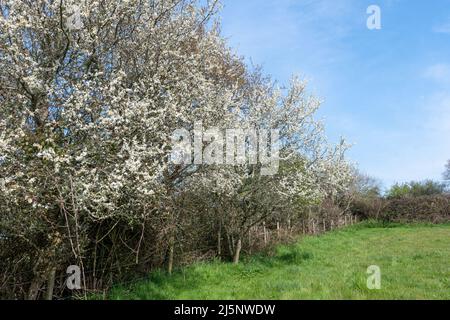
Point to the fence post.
(278, 229)
(265, 233)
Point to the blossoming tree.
(87, 111)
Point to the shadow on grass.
(160, 285)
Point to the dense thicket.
(432, 209)
(429, 209)
(426, 201)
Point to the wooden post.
(171, 251)
(265, 233)
(313, 227)
(219, 242)
(237, 252)
(310, 222)
(50, 285)
(278, 229)
(324, 225)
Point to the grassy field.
(414, 262)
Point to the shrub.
(434, 209)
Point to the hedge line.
(431, 209)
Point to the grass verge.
(414, 262)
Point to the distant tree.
(370, 186)
(427, 188)
(365, 196)
(365, 185)
(398, 191)
(446, 173)
(416, 189)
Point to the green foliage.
(332, 266)
(416, 189)
(399, 191)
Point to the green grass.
(414, 262)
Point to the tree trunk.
(237, 252)
(50, 285)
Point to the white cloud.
(443, 28)
(267, 30)
(439, 72)
(438, 110)
(436, 141)
(316, 38)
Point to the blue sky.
(386, 91)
